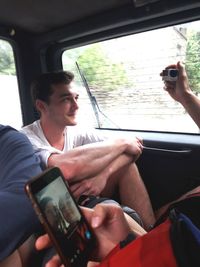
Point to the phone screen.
(65, 221)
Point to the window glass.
(123, 77)
(10, 109)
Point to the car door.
(169, 165)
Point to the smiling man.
(92, 165)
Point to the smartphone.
(61, 217)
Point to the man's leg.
(132, 192)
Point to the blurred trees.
(7, 64)
(192, 63)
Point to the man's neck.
(54, 134)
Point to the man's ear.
(40, 106)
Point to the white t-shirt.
(74, 136)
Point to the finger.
(74, 187)
(78, 188)
(169, 88)
(54, 262)
(171, 66)
(180, 65)
(103, 212)
(139, 139)
(98, 217)
(43, 242)
(169, 85)
(181, 68)
(87, 213)
(82, 189)
(138, 148)
(78, 192)
(140, 144)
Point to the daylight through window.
(125, 89)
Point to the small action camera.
(170, 75)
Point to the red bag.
(152, 249)
(173, 243)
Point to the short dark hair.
(41, 88)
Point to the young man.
(91, 166)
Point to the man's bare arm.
(89, 160)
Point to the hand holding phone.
(62, 218)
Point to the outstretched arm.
(89, 160)
(181, 92)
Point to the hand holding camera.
(176, 82)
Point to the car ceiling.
(44, 16)
(38, 16)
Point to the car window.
(123, 76)
(10, 109)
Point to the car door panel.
(169, 164)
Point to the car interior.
(48, 35)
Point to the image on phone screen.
(65, 221)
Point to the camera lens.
(173, 73)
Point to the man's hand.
(109, 225)
(181, 92)
(96, 185)
(180, 89)
(91, 186)
(134, 148)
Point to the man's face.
(63, 106)
(51, 214)
(68, 212)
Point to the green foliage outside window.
(193, 60)
(99, 71)
(7, 64)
